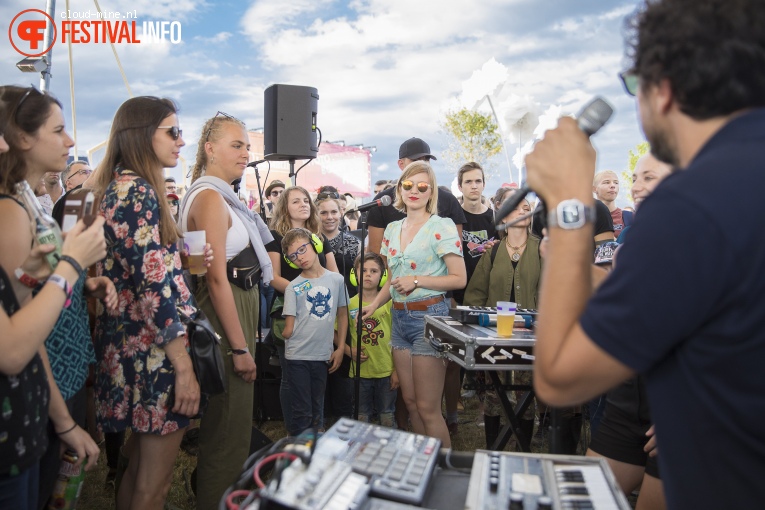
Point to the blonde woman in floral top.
(145, 377)
(424, 257)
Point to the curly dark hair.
(711, 51)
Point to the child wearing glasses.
(312, 302)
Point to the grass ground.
(96, 496)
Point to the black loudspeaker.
(267, 406)
(290, 122)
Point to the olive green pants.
(226, 426)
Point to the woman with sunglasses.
(37, 143)
(424, 257)
(145, 379)
(229, 298)
(295, 209)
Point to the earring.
(212, 160)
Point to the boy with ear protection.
(378, 377)
(312, 302)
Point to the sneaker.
(111, 475)
(453, 428)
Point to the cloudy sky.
(386, 70)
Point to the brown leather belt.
(417, 306)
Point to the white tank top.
(237, 237)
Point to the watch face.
(571, 214)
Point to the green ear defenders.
(355, 283)
(318, 247)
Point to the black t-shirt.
(23, 405)
(448, 207)
(477, 229)
(288, 272)
(346, 248)
(684, 306)
(603, 221)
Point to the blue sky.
(386, 70)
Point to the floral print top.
(423, 256)
(134, 383)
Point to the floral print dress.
(134, 384)
(422, 256)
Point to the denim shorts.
(408, 329)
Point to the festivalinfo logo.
(27, 29)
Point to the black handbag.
(204, 349)
(244, 269)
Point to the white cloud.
(218, 38)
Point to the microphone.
(256, 163)
(593, 116)
(382, 201)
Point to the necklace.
(516, 256)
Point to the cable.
(304, 164)
(236, 494)
(71, 88)
(256, 471)
(117, 58)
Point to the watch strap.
(238, 352)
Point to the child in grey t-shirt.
(312, 302)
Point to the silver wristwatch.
(570, 215)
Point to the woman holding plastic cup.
(228, 294)
(424, 254)
(145, 379)
(508, 276)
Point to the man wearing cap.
(273, 192)
(414, 149)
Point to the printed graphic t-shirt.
(314, 303)
(375, 341)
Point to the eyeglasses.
(328, 194)
(174, 131)
(630, 81)
(422, 187)
(300, 251)
(173, 202)
(31, 89)
(219, 114)
(86, 171)
(277, 192)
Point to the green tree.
(634, 155)
(473, 136)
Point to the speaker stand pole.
(357, 368)
(293, 175)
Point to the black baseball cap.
(414, 148)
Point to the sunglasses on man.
(630, 81)
(422, 187)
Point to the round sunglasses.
(422, 187)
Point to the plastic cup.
(194, 242)
(505, 318)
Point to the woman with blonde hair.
(145, 378)
(424, 257)
(229, 296)
(295, 209)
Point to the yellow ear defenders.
(355, 283)
(318, 247)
